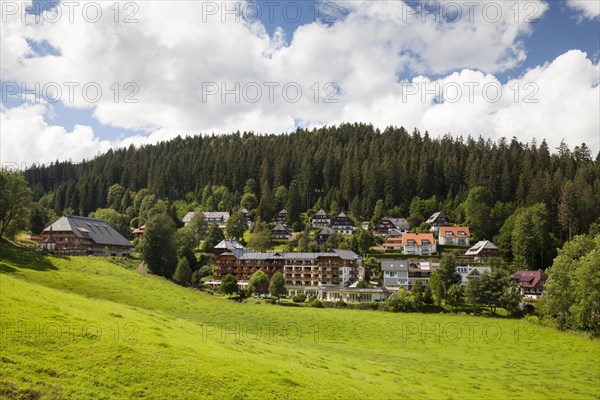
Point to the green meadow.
(79, 327)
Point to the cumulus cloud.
(588, 8)
(193, 68)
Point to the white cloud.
(175, 53)
(588, 8)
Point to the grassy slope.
(159, 340)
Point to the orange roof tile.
(455, 231)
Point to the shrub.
(401, 301)
(299, 298)
(316, 303)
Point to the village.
(400, 260)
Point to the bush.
(299, 298)
(340, 304)
(401, 301)
(316, 303)
(312, 298)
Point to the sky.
(78, 78)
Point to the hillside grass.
(84, 327)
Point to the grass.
(84, 327)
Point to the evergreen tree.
(158, 246)
(293, 205)
(183, 272)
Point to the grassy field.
(77, 327)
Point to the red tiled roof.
(418, 238)
(455, 231)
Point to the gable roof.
(342, 219)
(435, 216)
(480, 246)
(529, 278)
(321, 213)
(223, 215)
(326, 231)
(89, 228)
(280, 227)
(394, 265)
(400, 223)
(229, 244)
(418, 238)
(455, 231)
(188, 216)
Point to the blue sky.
(550, 38)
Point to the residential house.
(249, 217)
(280, 232)
(393, 241)
(322, 236)
(71, 234)
(395, 273)
(436, 220)
(467, 273)
(211, 217)
(343, 224)
(419, 270)
(483, 251)
(418, 243)
(454, 235)
(531, 283)
(320, 219)
(386, 225)
(280, 217)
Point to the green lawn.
(78, 327)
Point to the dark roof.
(342, 219)
(229, 244)
(326, 231)
(435, 216)
(243, 254)
(529, 278)
(479, 246)
(400, 223)
(394, 265)
(280, 228)
(321, 213)
(89, 228)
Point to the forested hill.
(351, 166)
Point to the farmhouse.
(343, 224)
(418, 243)
(531, 283)
(320, 219)
(395, 273)
(386, 225)
(280, 232)
(76, 235)
(454, 235)
(280, 217)
(139, 232)
(483, 251)
(322, 236)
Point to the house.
(322, 236)
(343, 224)
(365, 225)
(386, 225)
(226, 245)
(454, 235)
(467, 273)
(211, 217)
(280, 217)
(419, 270)
(280, 232)
(249, 217)
(304, 272)
(76, 235)
(395, 273)
(393, 241)
(531, 283)
(418, 243)
(483, 251)
(139, 232)
(436, 220)
(320, 219)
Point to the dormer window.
(448, 233)
(462, 233)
